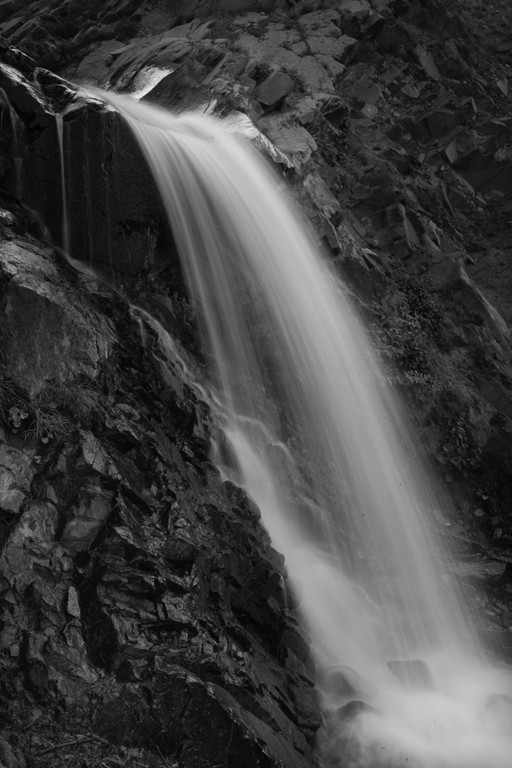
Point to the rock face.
(137, 587)
(46, 333)
(91, 187)
(139, 590)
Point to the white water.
(18, 143)
(313, 435)
(66, 240)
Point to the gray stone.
(87, 518)
(338, 48)
(23, 94)
(274, 89)
(277, 33)
(354, 8)
(60, 336)
(72, 604)
(293, 140)
(413, 674)
(342, 682)
(16, 473)
(323, 23)
(309, 71)
(426, 61)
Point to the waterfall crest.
(312, 432)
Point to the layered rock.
(138, 589)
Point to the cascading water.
(18, 143)
(66, 240)
(312, 433)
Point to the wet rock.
(118, 205)
(349, 712)
(60, 336)
(26, 98)
(342, 682)
(181, 551)
(480, 569)
(498, 710)
(216, 728)
(413, 674)
(294, 141)
(320, 194)
(310, 72)
(340, 735)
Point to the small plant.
(47, 424)
(53, 413)
(460, 449)
(14, 406)
(80, 401)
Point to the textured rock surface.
(137, 587)
(48, 332)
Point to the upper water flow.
(66, 240)
(314, 435)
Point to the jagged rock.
(295, 142)
(310, 72)
(215, 728)
(426, 61)
(28, 101)
(339, 49)
(87, 518)
(440, 122)
(16, 473)
(61, 337)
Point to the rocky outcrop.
(139, 592)
(46, 333)
(138, 589)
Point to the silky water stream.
(313, 434)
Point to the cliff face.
(141, 597)
(138, 589)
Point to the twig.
(164, 761)
(55, 747)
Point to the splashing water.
(311, 432)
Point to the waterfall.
(309, 428)
(18, 143)
(66, 240)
